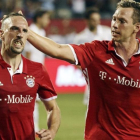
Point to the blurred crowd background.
(58, 8)
(66, 15)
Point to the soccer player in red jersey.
(20, 80)
(112, 71)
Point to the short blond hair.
(10, 15)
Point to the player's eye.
(25, 30)
(122, 21)
(14, 28)
(114, 19)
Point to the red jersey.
(114, 104)
(17, 98)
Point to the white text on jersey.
(13, 99)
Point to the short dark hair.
(39, 13)
(131, 4)
(91, 11)
(13, 14)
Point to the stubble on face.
(14, 43)
(122, 27)
(16, 51)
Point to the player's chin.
(17, 51)
(115, 39)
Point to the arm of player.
(49, 47)
(53, 121)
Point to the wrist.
(52, 133)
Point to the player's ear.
(137, 27)
(1, 34)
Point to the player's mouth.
(18, 43)
(115, 33)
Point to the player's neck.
(12, 60)
(127, 49)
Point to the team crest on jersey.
(30, 81)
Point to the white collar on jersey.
(124, 62)
(19, 70)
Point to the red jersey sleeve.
(46, 90)
(85, 53)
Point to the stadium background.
(67, 18)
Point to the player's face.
(122, 27)
(44, 20)
(15, 34)
(93, 21)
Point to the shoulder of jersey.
(100, 44)
(33, 62)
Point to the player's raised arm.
(51, 48)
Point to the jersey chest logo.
(30, 81)
(120, 80)
(110, 61)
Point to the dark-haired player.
(20, 80)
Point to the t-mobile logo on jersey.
(13, 99)
(120, 80)
(102, 74)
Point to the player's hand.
(44, 134)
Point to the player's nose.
(19, 35)
(115, 24)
